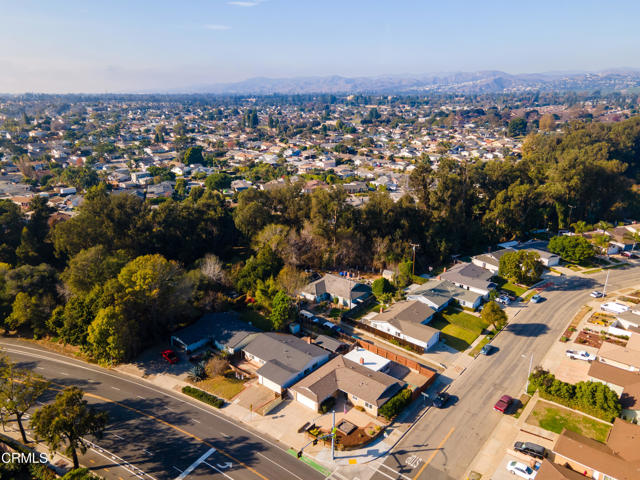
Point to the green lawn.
(554, 419)
(464, 320)
(224, 387)
(256, 319)
(458, 329)
(503, 284)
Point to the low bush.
(203, 396)
(327, 404)
(396, 404)
(593, 398)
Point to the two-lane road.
(159, 434)
(444, 442)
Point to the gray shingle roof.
(285, 348)
(336, 286)
(225, 327)
(349, 377)
(470, 275)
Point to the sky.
(60, 46)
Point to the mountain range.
(454, 82)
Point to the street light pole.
(529, 375)
(413, 268)
(604, 292)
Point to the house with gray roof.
(331, 286)
(470, 277)
(341, 376)
(225, 330)
(490, 261)
(283, 359)
(408, 321)
(438, 293)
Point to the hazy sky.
(134, 45)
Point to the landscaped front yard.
(507, 286)
(458, 329)
(550, 417)
(225, 387)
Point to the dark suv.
(532, 449)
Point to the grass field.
(224, 387)
(512, 288)
(458, 329)
(554, 419)
(478, 347)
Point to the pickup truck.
(580, 355)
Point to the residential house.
(627, 357)
(331, 344)
(225, 330)
(368, 359)
(240, 185)
(283, 359)
(408, 321)
(547, 258)
(438, 293)
(341, 376)
(329, 287)
(470, 277)
(617, 459)
(490, 261)
(625, 383)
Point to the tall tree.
(19, 391)
(66, 422)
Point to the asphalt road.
(444, 442)
(156, 434)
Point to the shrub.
(217, 366)
(593, 398)
(396, 404)
(197, 373)
(203, 396)
(327, 404)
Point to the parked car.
(503, 404)
(441, 400)
(521, 470)
(597, 294)
(629, 255)
(170, 356)
(536, 298)
(487, 349)
(503, 300)
(580, 355)
(531, 449)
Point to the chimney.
(361, 360)
(445, 269)
(439, 277)
(309, 340)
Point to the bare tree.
(213, 269)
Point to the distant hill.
(454, 82)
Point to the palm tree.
(581, 227)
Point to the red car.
(170, 356)
(503, 404)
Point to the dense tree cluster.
(122, 272)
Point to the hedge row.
(396, 404)
(203, 396)
(593, 398)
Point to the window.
(355, 398)
(368, 405)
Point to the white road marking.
(217, 470)
(118, 436)
(381, 472)
(140, 397)
(225, 435)
(194, 420)
(65, 360)
(102, 452)
(65, 374)
(288, 471)
(176, 468)
(193, 466)
(147, 452)
(413, 461)
(115, 388)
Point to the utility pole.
(604, 292)
(413, 268)
(529, 375)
